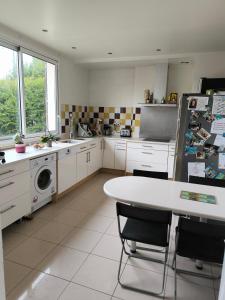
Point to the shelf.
(158, 105)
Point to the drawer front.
(14, 186)
(66, 152)
(147, 155)
(82, 148)
(15, 209)
(132, 165)
(148, 146)
(172, 148)
(13, 169)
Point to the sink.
(69, 141)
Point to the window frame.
(20, 91)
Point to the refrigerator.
(200, 149)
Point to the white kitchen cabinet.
(100, 151)
(66, 169)
(109, 154)
(120, 155)
(2, 281)
(147, 156)
(171, 159)
(82, 161)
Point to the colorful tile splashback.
(123, 115)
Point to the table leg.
(222, 281)
(133, 247)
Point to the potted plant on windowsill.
(48, 139)
(19, 144)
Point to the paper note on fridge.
(218, 105)
(218, 126)
(197, 103)
(196, 169)
(219, 140)
(221, 163)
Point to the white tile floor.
(70, 251)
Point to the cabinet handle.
(145, 146)
(93, 144)
(120, 149)
(87, 157)
(83, 147)
(7, 184)
(7, 209)
(6, 172)
(148, 166)
(147, 152)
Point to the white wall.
(73, 81)
(111, 87)
(207, 65)
(180, 78)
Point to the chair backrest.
(143, 214)
(207, 181)
(198, 240)
(159, 175)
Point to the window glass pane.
(9, 104)
(51, 97)
(34, 71)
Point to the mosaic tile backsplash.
(123, 115)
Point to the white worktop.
(12, 157)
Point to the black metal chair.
(146, 226)
(159, 175)
(198, 240)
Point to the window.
(9, 100)
(28, 93)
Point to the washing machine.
(43, 180)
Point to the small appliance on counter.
(107, 129)
(84, 130)
(125, 132)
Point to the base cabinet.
(66, 169)
(108, 154)
(82, 161)
(2, 281)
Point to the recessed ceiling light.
(45, 30)
(74, 48)
(109, 53)
(158, 50)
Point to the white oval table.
(165, 194)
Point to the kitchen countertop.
(12, 157)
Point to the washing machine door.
(43, 179)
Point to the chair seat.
(149, 233)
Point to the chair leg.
(120, 263)
(175, 277)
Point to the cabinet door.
(120, 158)
(171, 158)
(108, 154)
(100, 147)
(66, 172)
(92, 160)
(2, 282)
(82, 165)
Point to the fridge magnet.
(203, 134)
(200, 155)
(210, 173)
(190, 150)
(220, 176)
(197, 103)
(210, 149)
(195, 126)
(189, 135)
(218, 126)
(195, 115)
(218, 105)
(208, 117)
(221, 162)
(196, 169)
(218, 117)
(173, 97)
(197, 141)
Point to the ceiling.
(130, 29)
